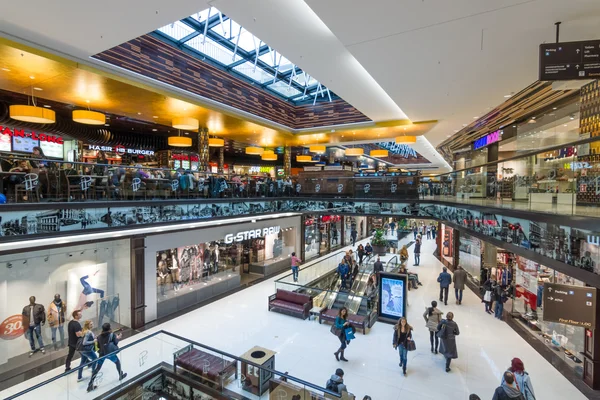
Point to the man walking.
(459, 279)
(107, 345)
(417, 251)
(444, 279)
(74, 332)
(353, 235)
(295, 263)
(378, 266)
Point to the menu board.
(54, 150)
(185, 164)
(24, 144)
(5, 143)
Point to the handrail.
(237, 358)
(389, 261)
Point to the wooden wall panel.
(151, 57)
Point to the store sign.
(570, 305)
(184, 157)
(252, 234)
(42, 137)
(256, 169)
(312, 168)
(487, 140)
(577, 165)
(121, 150)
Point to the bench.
(291, 303)
(357, 321)
(211, 369)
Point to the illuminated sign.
(487, 140)
(185, 157)
(121, 150)
(252, 234)
(256, 169)
(399, 149)
(21, 133)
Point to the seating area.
(209, 368)
(360, 322)
(290, 303)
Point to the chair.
(29, 188)
(69, 186)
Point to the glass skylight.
(233, 48)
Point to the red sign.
(12, 327)
(185, 157)
(44, 137)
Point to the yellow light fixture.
(317, 149)
(89, 117)
(303, 158)
(186, 123)
(254, 151)
(38, 115)
(379, 153)
(215, 142)
(354, 152)
(179, 141)
(406, 139)
(269, 157)
(268, 152)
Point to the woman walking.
(522, 378)
(87, 348)
(447, 330)
(402, 335)
(433, 317)
(341, 324)
(361, 253)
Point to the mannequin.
(56, 319)
(161, 276)
(34, 316)
(216, 265)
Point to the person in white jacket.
(521, 378)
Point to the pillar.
(221, 166)
(492, 171)
(203, 150)
(591, 354)
(287, 161)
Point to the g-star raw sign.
(487, 140)
(121, 150)
(252, 234)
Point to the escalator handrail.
(386, 269)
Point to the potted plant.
(379, 243)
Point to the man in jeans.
(444, 279)
(74, 332)
(36, 315)
(459, 279)
(295, 263)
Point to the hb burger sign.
(43, 137)
(121, 150)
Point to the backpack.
(332, 386)
(110, 346)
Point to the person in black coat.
(447, 330)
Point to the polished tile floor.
(305, 348)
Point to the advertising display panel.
(392, 295)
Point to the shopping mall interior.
(261, 199)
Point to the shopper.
(353, 235)
(415, 231)
(522, 378)
(428, 231)
(433, 317)
(86, 347)
(108, 344)
(368, 249)
(361, 253)
(447, 330)
(295, 261)
(499, 296)
(433, 231)
(340, 325)
(371, 291)
(336, 382)
(444, 279)
(403, 255)
(35, 316)
(402, 336)
(393, 226)
(343, 271)
(74, 332)
(378, 266)
(508, 389)
(487, 295)
(417, 251)
(459, 279)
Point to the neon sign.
(5, 130)
(252, 234)
(119, 149)
(487, 140)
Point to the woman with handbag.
(447, 330)
(339, 329)
(433, 317)
(403, 341)
(87, 348)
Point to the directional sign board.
(570, 60)
(571, 305)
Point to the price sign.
(12, 327)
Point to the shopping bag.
(487, 296)
(349, 333)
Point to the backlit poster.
(50, 149)
(392, 292)
(86, 286)
(5, 143)
(526, 280)
(24, 144)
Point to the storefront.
(94, 278)
(93, 153)
(312, 237)
(24, 141)
(330, 227)
(185, 268)
(358, 224)
(446, 244)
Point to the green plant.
(378, 238)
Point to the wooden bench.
(211, 369)
(358, 321)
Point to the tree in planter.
(379, 243)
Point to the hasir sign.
(252, 234)
(121, 150)
(487, 140)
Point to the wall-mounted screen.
(24, 144)
(392, 295)
(5, 144)
(53, 150)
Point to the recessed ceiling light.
(154, 130)
(31, 77)
(155, 116)
(554, 108)
(106, 124)
(475, 117)
(6, 69)
(87, 101)
(47, 106)
(38, 89)
(139, 113)
(506, 96)
(565, 125)
(185, 133)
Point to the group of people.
(348, 269)
(91, 347)
(494, 297)
(459, 278)
(429, 231)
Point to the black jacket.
(103, 348)
(39, 313)
(378, 267)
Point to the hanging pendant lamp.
(317, 148)
(379, 153)
(354, 151)
(180, 141)
(215, 142)
(89, 117)
(406, 139)
(254, 151)
(269, 157)
(186, 123)
(37, 115)
(303, 158)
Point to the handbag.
(336, 331)
(487, 296)
(411, 345)
(441, 334)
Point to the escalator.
(337, 298)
